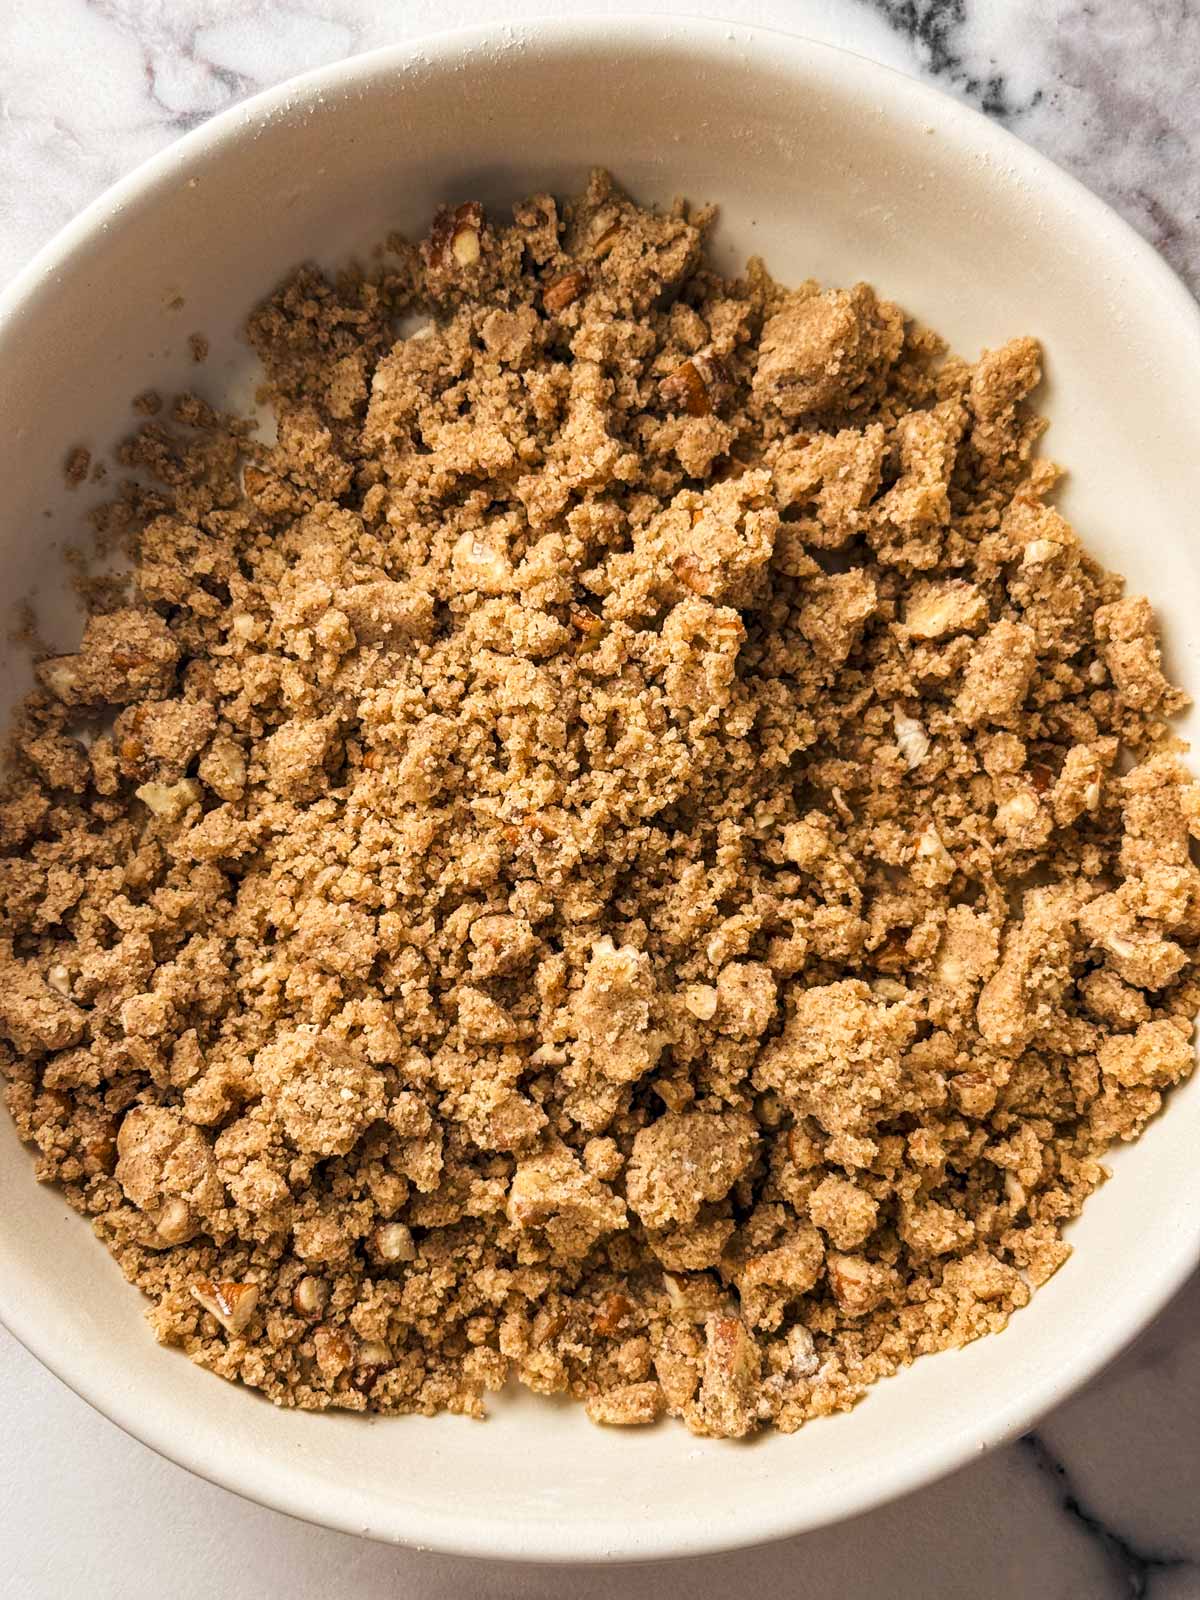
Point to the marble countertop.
(1102, 1502)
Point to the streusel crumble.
(631, 847)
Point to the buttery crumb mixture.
(630, 848)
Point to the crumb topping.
(631, 847)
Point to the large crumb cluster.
(630, 847)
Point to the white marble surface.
(1103, 1502)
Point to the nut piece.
(693, 1296)
(936, 610)
(393, 1242)
(334, 1354)
(373, 1353)
(478, 566)
(59, 980)
(223, 769)
(697, 386)
(231, 1303)
(605, 234)
(310, 1296)
(562, 291)
(370, 1363)
(464, 246)
(174, 1225)
(802, 1350)
(726, 1405)
(169, 800)
(858, 1285)
(701, 1001)
(911, 738)
(769, 1109)
(612, 1315)
(454, 240)
(685, 388)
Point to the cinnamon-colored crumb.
(631, 847)
(77, 466)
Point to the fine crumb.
(631, 848)
(77, 466)
(198, 345)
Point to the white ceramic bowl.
(829, 166)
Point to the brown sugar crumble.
(631, 848)
(76, 466)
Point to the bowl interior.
(829, 167)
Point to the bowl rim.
(93, 1380)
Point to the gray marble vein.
(1103, 1501)
(1132, 1563)
(1109, 88)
